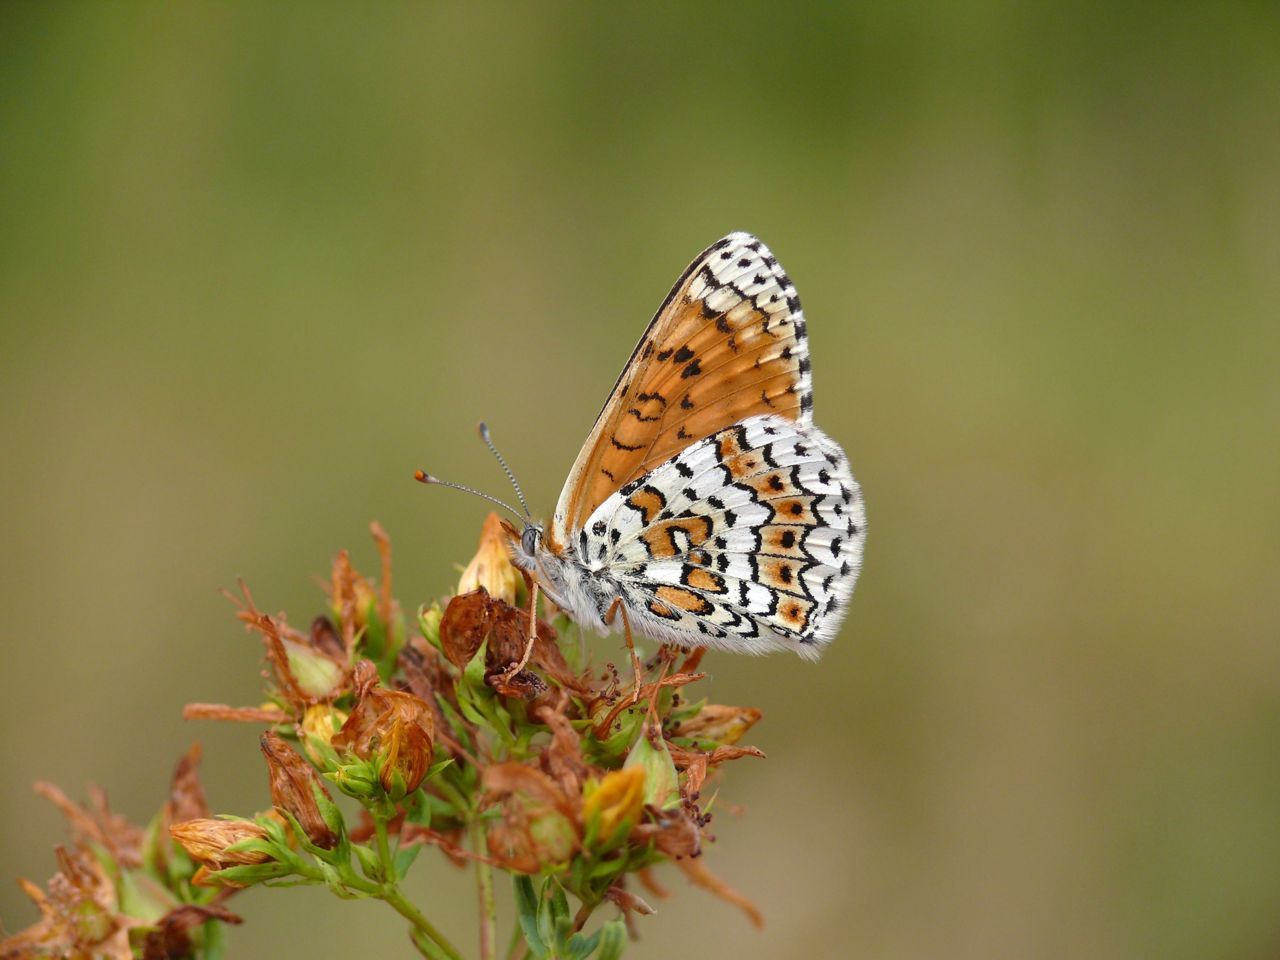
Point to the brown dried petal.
(186, 794)
(563, 757)
(674, 832)
(98, 824)
(221, 711)
(292, 782)
(697, 872)
(717, 722)
(172, 937)
(466, 622)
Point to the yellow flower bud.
(491, 567)
(617, 800)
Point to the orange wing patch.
(683, 599)
(728, 343)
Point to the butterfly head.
(526, 543)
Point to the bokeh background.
(257, 263)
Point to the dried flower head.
(218, 843)
(79, 915)
(391, 727)
(297, 789)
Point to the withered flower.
(173, 933)
(209, 841)
(674, 832)
(491, 567)
(540, 822)
(98, 824)
(472, 618)
(293, 786)
(617, 801)
(186, 802)
(392, 727)
(718, 723)
(78, 915)
(306, 671)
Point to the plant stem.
(424, 926)
(384, 849)
(389, 891)
(484, 890)
(583, 915)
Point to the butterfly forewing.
(728, 343)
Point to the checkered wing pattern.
(748, 540)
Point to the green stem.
(384, 849)
(389, 891)
(484, 890)
(421, 924)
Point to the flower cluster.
(563, 775)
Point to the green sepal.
(246, 875)
(370, 862)
(429, 624)
(613, 940)
(140, 896)
(580, 946)
(330, 813)
(661, 783)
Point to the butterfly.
(705, 509)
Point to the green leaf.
(547, 931)
(560, 915)
(527, 913)
(405, 856)
(613, 940)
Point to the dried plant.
(556, 775)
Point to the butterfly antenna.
(484, 435)
(423, 477)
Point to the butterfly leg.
(616, 608)
(533, 631)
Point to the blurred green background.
(257, 263)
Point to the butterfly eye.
(529, 540)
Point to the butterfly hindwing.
(750, 539)
(728, 343)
